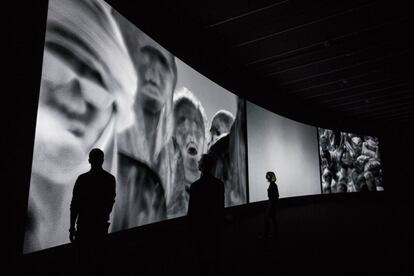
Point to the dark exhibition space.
(320, 92)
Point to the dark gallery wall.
(22, 48)
(383, 216)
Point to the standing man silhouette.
(270, 216)
(92, 201)
(205, 214)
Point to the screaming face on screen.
(189, 140)
(189, 132)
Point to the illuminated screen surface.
(286, 147)
(349, 162)
(105, 84)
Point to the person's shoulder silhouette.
(205, 213)
(92, 201)
(206, 194)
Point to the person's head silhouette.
(205, 164)
(96, 158)
(271, 177)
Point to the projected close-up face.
(156, 74)
(189, 134)
(68, 104)
(81, 86)
(87, 89)
(105, 84)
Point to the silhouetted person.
(270, 215)
(205, 215)
(92, 201)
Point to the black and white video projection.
(349, 162)
(105, 84)
(286, 147)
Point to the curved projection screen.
(349, 162)
(288, 148)
(105, 84)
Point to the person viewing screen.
(87, 89)
(106, 84)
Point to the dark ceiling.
(349, 58)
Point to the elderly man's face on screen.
(220, 126)
(156, 74)
(189, 134)
(79, 85)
